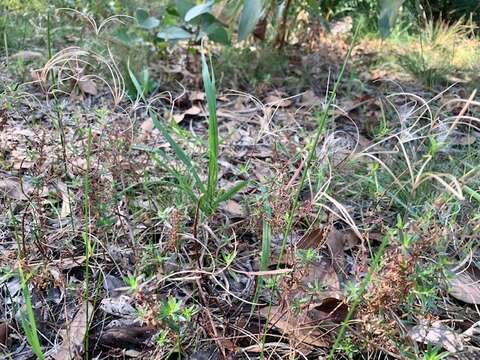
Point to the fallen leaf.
(197, 96)
(124, 337)
(72, 344)
(464, 285)
(233, 208)
(438, 334)
(26, 55)
(20, 159)
(14, 189)
(37, 77)
(276, 101)
(194, 110)
(309, 99)
(118, 306)
(66, 208)
(302, 330)
(87, 86)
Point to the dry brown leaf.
(14, 189)
(37, 77)
(72, 344)
(309, 99)
(277, 101)
(66, 208)
(233, 208)
(26, 55)
(194, 110)
(127, 336)
(88, 86)
(464, 285)
(301, 329)
(438, 334)
(197, 96)
(146, 129)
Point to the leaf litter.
(133, 216)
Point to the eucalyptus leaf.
(174, 33)
(251, 13)
(214, 29)
(146, 21)
(181, 7)
(198, 10)
(127, 38)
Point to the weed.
(210, 197)
(27, 319)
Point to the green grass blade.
(210, 91)
(181, 155)
(28, 321)
(227, 195)
(135, 83)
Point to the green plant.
(141, 86)
(209, 196)
(434, 353)
(27, 318)
(174, 314)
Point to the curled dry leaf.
(72, 344)
(233, 208)
(194, 110)
(88, 86)
(464, 285)
(301, 328)
(147, 128)
(438, 334)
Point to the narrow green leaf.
(210, 91)
(228, 194)
(181, 155)
(135, 82)
(252, 12)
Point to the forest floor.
(354, 237)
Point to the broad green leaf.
(219, 34)
(214, 29)
(389, 10)
(252, 12)
(198, 10)
(146, 21)
(174, 33)
(126, 38)
(181, 7)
